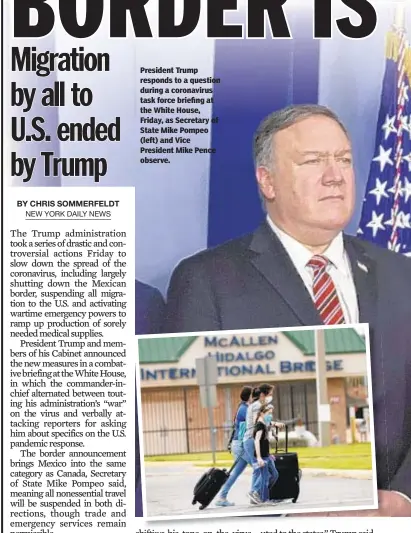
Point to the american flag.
(386, 212)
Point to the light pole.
(324, 412)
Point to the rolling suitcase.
(288, 483)
(209, 485)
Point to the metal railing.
(165, 441)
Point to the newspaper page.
(206, 247)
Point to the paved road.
(169, 492)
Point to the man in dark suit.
(149, 310)
(299, 269)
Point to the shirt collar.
(300, 255)
(335, 252)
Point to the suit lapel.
(364, 272)
(365, 279)
(273, 262)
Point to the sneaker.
(255, 498)
(249, 494)
(223, 502)
(275, 502)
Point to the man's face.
(309, 189)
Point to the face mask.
(268, 419)
(268, 399)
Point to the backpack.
(233, 429)
(241, 430)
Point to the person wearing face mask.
(264, 466)
(262, 395)
(236, 446)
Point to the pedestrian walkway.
(169, 492)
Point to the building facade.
(173, 418)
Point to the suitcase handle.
(234, 464)
(286, 439)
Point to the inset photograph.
(256, 422)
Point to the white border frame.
(260, 511)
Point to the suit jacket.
(149, 309)
(149, 305)
(251, 282)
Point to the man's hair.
(246, 393)
(255, 394)
(280, 120)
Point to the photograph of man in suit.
(299, 269)
(149, 309)
(149, 305)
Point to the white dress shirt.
(338, 268)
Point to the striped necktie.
(325, 294)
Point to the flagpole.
(399, 22)
(399, 18)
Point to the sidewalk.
(311, 472)
(169, 492)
